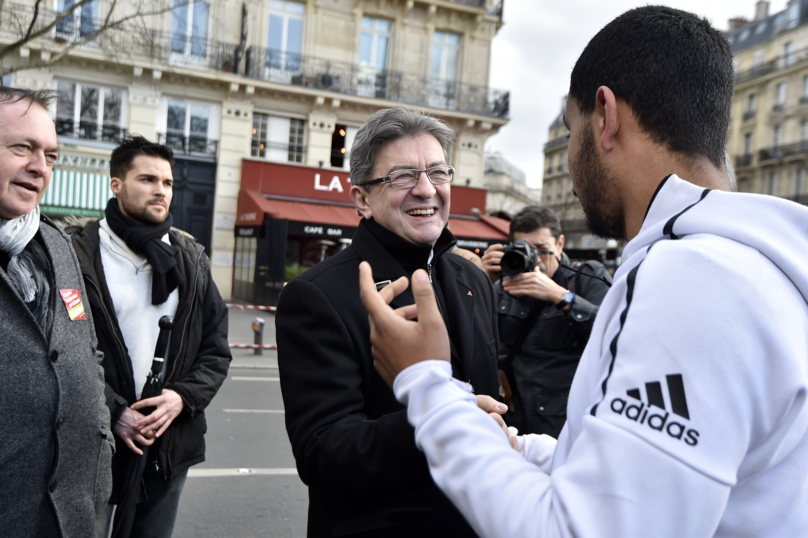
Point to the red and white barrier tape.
(242, 307)
(254, 346)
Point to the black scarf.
(148, 241)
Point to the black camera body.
(518, 258)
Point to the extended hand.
(397, 341)
(534, 284)
(494, 410)
(492, 261)
(125, 429)
(167, 407)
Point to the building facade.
(507, 189)
(229, 82)
(768, 135)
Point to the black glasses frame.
(451, 171)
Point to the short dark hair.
(386, 126)
(533, 217)
(43, 98)
(672, 68)
(130, 147)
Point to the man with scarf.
(56, 448)
(350, 438)
(137, 269)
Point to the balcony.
(89, 130)
(742, 161)
(493, 8)
(556, 142)
(366, 81)
(800, 199)
(194, 145)
(176, 50)
(780, 152)
(781, 62)
(749, 115)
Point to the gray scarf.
(29, 279)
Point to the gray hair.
(386, 126)
(42, 98)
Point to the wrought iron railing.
(199, 146)
(800, 199)
(788, 150)
(89, 130)
(343, 77)
(742, 161)
(555, 142)
(267, 64)
(781, 62)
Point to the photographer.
(546, 312)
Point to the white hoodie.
(688, 414)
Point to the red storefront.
(292, 217)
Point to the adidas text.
(656, 420)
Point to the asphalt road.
(248, 485)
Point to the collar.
(409, 255)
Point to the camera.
(518, 258)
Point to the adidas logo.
(654, 414)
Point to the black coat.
(350, 437)
(199, 354)
(541, 372)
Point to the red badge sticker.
(75, 309)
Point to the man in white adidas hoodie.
(688, 414)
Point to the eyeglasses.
(407, 179)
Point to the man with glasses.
(545, 318)
(350, 437)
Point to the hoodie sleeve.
(665, 467)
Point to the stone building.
(768, 135)
(267, 92)
(507, 189)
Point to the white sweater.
(688, 414)
(129, 279)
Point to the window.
(189, 28)
(445, 55)
(788, 59)
(781, 94)
(798, 186)
(285, 39)
(190, 126)
(743, 185)
(88, 111)
(278, 139)
(747, 144)
(751, 103)
(771, 184)
(805, 87)
(804, 131)
(777, 136)
(757, 59)
(80, 22)
(374, 56)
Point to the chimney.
(737, 22)
(761, 10)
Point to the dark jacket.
(56, 447)
(350, 436)
(199, 354)
(540, 374)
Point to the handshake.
(399, 342)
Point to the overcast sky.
(536, 48)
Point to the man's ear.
(560, 243)
(607, 123)
(360, 199)
(115, 184)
